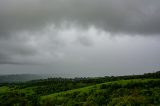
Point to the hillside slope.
(135, 92)
(132, 90)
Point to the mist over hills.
(11, 78)
(26, 77)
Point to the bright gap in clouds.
(80, 52)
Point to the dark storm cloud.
(124, 16)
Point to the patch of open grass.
(4, 89)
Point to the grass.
(29, 90)
(86, 89)
(4, 89)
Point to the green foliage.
(118, 93)
(4, 89)
(128, 101)
(16, 98)
(106, 91)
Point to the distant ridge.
(24, 77)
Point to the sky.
(79, 37)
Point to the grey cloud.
(30, 48)
(4, 58)
(57, 32)
(124, 16)
(85, 40)
(10, 51)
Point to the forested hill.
(18, 77)
(136, 90)
(44, 77)
(24, 77)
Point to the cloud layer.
(80, 35)
(124, 16)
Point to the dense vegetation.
(118, 93)
(135, 90)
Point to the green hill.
(133, 90)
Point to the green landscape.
(79, 52)
(131, 90)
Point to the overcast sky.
(79, 37)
